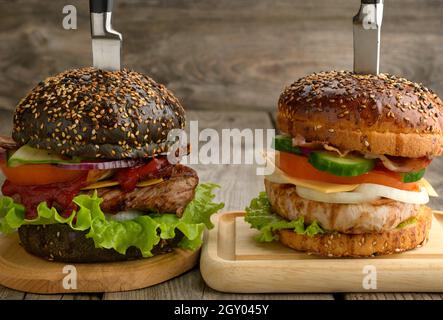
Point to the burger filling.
(122, 203)
(316, 188)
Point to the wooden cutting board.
(232, 261)
(24, 272)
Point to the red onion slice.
(306, 151)
(3, 154)
(107, 165)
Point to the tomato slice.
(299, 167)
(38, 174)
(129, 177)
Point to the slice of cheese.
(280, 177)
(149, 182)
(112, 183)
(427, 186)
(101, 184)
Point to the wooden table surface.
(227, 61)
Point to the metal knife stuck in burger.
(349, 166)
(86, 175)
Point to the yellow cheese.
(280, 177)
(112, 183)
(427, 186)
(101, 184)
(149, 182)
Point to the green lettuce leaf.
(407, 222)
(10, 215)
(259, 215)
(143, 232)
(202, 207)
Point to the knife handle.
(101, 16)
(371, 1)
(100, 6)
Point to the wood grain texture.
(22, 271)
(8, 294)
(219, 54)
(78, 296)
(210, 294)
(393, 296)
(5, 122)
(188, 286)
(232, 261)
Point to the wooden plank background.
(217, 56)
(221, 54)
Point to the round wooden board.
(22, 271)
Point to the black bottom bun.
(58, 242)
(365, 244)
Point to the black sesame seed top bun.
(92, 113)
(381, 114)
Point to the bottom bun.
(363, 245)
(58, 242)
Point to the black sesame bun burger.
(349, 164)
(87, 176)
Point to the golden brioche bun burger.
(350, 162)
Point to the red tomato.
(129, 177)
(38, 174)
(299, 167)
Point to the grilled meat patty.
(169, 196)
(377, 216)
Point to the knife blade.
(366, 30)
(106, 42)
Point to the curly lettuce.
(259, 215)
(143, 232)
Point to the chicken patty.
(376, 216)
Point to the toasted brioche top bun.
(92, 113)
(380, 114)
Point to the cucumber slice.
(29, 155)
(413, 176)
(284, 143)
(332, 163)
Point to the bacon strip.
(399, 164)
